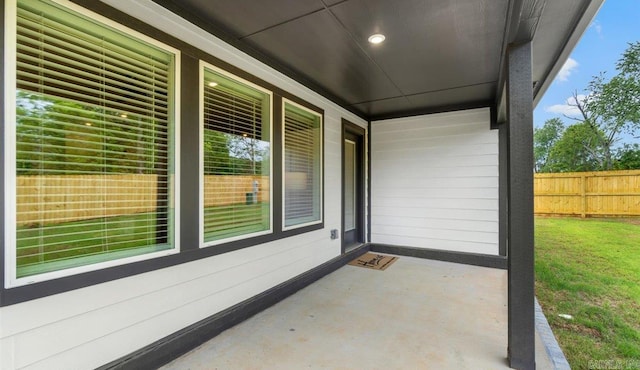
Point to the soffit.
(438, 54)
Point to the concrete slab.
(416, 314)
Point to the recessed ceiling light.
(213, 84)
(376, 38)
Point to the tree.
(618, 101)
(248, 153)
(612, 108)
(544, 139)
(628, 158)
(60, 136)
(578, 149)
(216, 153)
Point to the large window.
(302, 163)
(236, 158)
(94, 156)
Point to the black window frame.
(162, 117)
(232, 127)
(299, 222)
(188, 219)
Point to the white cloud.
(597, 27)
(569, 66)
(568, 108)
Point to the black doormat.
(373, 261)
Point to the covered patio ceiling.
(438, 55)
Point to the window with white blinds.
(94, 141)
(236, 162)
(302, 162)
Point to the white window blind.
(94, 139)
(236, 160)
(302, 166)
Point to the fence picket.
(585, 194)
(47, 199)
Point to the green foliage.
(32, 131)
(628, 158)
(248, 154)
(216, 153)
(613, 106)
(544, 139)
(610, 110)
(590, 269)
(618, 100)
(578, 149)
(228, 154)
(59, 136)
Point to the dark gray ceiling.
(438, 54)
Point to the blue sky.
(614, 27)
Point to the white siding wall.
(88, 327)
(435, 182)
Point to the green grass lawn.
(43, 248)
(590, 269)
(233, 220)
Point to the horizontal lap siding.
(153, 305)
(88, 327)
(434, 182)
(333, 168)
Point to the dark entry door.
(352, 185)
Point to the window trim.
(320, 220)
(186, 217)
(10, 87)
(202, 65)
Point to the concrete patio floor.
(417, 314)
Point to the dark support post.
(521, 332)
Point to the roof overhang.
(438, 56)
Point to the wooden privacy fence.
(63, 198)
(224, 190)
(585, 194)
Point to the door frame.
(351, 129)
